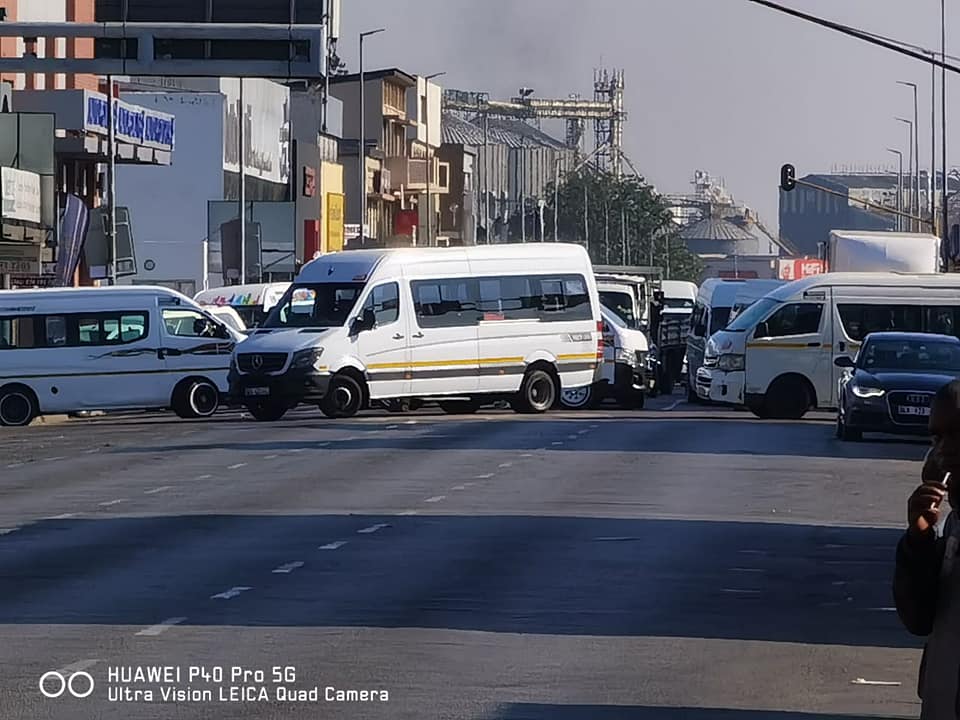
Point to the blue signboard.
(132, 123)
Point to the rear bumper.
(291, 387)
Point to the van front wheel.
(344, 397)
(538, 392)
(196, 398)
(787, 399)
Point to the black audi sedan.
(890, 386)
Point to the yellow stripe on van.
(785, 346)
(461, 362)
(578, 356)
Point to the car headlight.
(306, 358)
(867, 392)
(731, 363)
(626, 356)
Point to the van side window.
(56, 330)
(109, 328)
(564, 299)
(384, 300)
(794, 319)
(450, 302)
(698, 322)
(18, 333)
(184, 322)
(861, 320)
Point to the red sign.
(309, 181)
(405, 221)
(797, 268)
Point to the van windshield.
(752, 315)
(621, 303)
(314, 305)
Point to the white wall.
(42, 11)
(433, 93)
(168, 205)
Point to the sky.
(724, 86)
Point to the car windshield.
(614, 319)
(314, 305)
(622, 304)
(910, 356)
(752, 315)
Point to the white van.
(128, 347)
(625, 375)
(252, 302)
(777, 357)
(459, 325)
(711, 312)
(752, 291)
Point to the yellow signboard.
(335, 202)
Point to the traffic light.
(788, 178)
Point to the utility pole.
(556, 199)
(945, 230)
(910, 144)
(915, 206)
(362, 149)
(899, 189)
(112, 177)
(426, 89)
(242, 150)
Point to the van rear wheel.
(18, 406)
(538, 392)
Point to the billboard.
(20, 191)
(797, 268)
(334, 215)
(266, 122)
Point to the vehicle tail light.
(599, 340)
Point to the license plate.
(256, 391)
(913, 410)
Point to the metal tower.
(608, 131)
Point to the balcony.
(411, 174)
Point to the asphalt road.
(671, 563)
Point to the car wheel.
(344, 397)
(18, 406)
(538, 392)
(196, 398)
(845, 432)
(577, 398)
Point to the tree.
(627, 223)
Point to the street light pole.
(910, 143)
(362, 149)
(899, 188)
(916, 148)
(943, 115)
(426, 89)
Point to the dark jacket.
(916, 583)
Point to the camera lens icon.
(54, 684)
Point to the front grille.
(261, 362)
(909, 407)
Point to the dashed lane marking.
(594, 427)
(288, 568)
(572, 437)
(91, 451)
(411, 422)
(161, 628)
(15, 465)
(54, 459)
(392, 427)
(407, 512)
(485, 476)
(110, 503)
(527, 455)
(231, 593)
(886, 609)
(237, 466)
(296, 450)
(556, 443)
(747, 570)
(270, 457)
(436, 499)
(204, 477)
(459, 487)
(154, 491)
(62, 516)
(583, 432)
(334, 545)
(372, 529)
(505, 465)
(673, 405)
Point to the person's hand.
(923, 508)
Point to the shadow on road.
(512, 574)
(525, 711)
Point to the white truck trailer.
(861, 251)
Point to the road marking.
(109, 503)
(739, 591)
(839, 583)
(288, 568)
(436, 498)
(882, 683)
(334, 545)
(237, 466)
(204, 477)
(583, 432)
(15, 465)
(408, 512)
(296, 450)
(594, 427)
(485, 476)
(411, 422)
(162, 488)
(392, 427)
(78, 666)
(91, 451)
(753, 552)
(556, 442)
(888, 609)
(54, 459)
(231, 593)
(505, 465)
(64, 516)
(527, 455)
(748, 570)
(372, 529)
(161, 628)
(270, 457)
(673, 405)
(571, 437)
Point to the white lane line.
(505, 465)
(78, 666)
(295, 450)
(237, 466)
(571, 437)
(740, 591)
(882, 683)
(459, 487)
(323, 444)
(436, 499)
(161, 628)
(485, 476)
(334, 545)
(62, 516)
(231, 593)
(887, 609)
(288, 568)
(203, 477)
(527, 455)
(392, 427)
(411, 422)
(583, 432)
(753, 552)
(556, 442)
(372, 529)
(839, 583)
(110, 503)
(407, 512)
(154, 491)
(673, 405)
(747, 570)
(91, 451)
(54, 459)
(270, 457)
(594, 427)
(15, 465)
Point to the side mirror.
(844, 362)
(365, 321)
(763, 330)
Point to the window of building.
(794, 319)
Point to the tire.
(578, 398)
(459, 407)
(692, 397)
(538, 392)
(665, 381)
(267, 411)
(18, 406)
(787, 399)
(197, 398)
(846, 433)
(344, 397)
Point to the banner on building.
(74, 221)
(266, 123)
(797, 268)
(132, 123)
(334, 218)
(20, 191)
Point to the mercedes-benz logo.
(256, 362)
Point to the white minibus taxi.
(128, 347)
(777, 357)
(715, 299)
(459, 325)
(251, 302)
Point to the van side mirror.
(763, 330)
(844, 362)
(367, 320)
